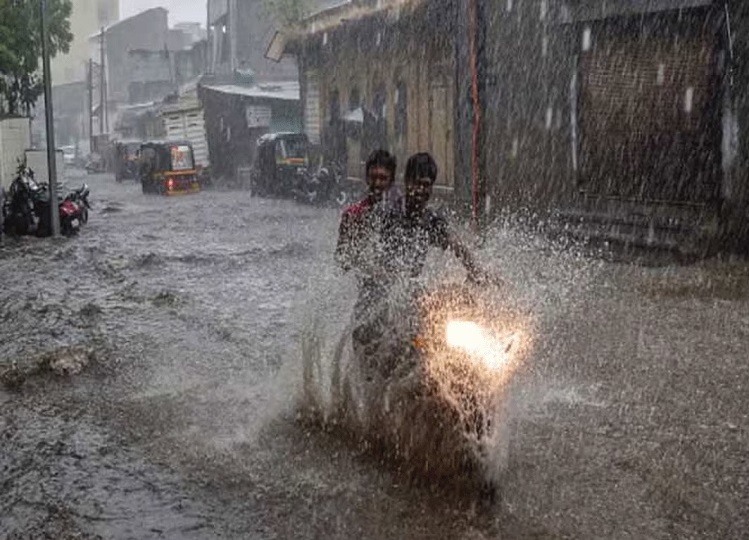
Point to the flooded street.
(630, 416)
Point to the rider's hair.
(421, 165)
(384, 159)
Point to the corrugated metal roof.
(287, 91)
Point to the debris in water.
(63, 362)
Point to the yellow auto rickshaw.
(168, 168)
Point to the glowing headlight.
(476, 341)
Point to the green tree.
(21, 49)
(289, 13)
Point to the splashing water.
(441, 409)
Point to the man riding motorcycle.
(359, 247)
(390, 241)
(409, 235)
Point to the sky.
(179, 10)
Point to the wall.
(71, 120)
(15, 138)
(554, 88)
(526, 136)
(147, 30)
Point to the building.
(87, 17)
(146, 31)
(145, 61)
(236, 116)
(610, 116)
(404, 99)
(619, 120)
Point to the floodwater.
(629, 416)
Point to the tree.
(289, 13)
(21, 49)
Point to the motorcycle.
(332, 189)
(79, 197)
(325, 186)
(27, 207)
(437, 397)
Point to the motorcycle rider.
(362, 222)
(409, 236)
(359, 248)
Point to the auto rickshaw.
(280, 159)
(126, 160)
(168, 168)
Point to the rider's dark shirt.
(407, 240)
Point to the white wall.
(15, 138)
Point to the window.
(401, 109)
(354, 99)
(181, 158)
(379, 102)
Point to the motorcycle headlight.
(494, 352)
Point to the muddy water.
(629, 419)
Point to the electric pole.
(102, 84)
(90, 84)
(49, 117)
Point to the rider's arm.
(447, 239)
(464, 255)
(344, 255)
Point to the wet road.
(630, 417)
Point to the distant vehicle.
(168, 168)
(69, 155)
(126, 156)
(282, 159)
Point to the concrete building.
(626, 121)
(88, 17)
(238, 37)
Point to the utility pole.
(49, 117)
(102, 84)
(232, 26)
(90, 84)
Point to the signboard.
(258, 116)
(276, 47)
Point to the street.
(630, 414)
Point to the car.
(68, 155)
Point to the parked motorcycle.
(331, 184)
(325, 186)
(80, 198)
(26, 209)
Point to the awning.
(590, 10)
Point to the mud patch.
(64, 362)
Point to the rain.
(461, 269)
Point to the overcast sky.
(179, 10)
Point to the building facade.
(403, 100)
(622, 120)
(87, 17)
